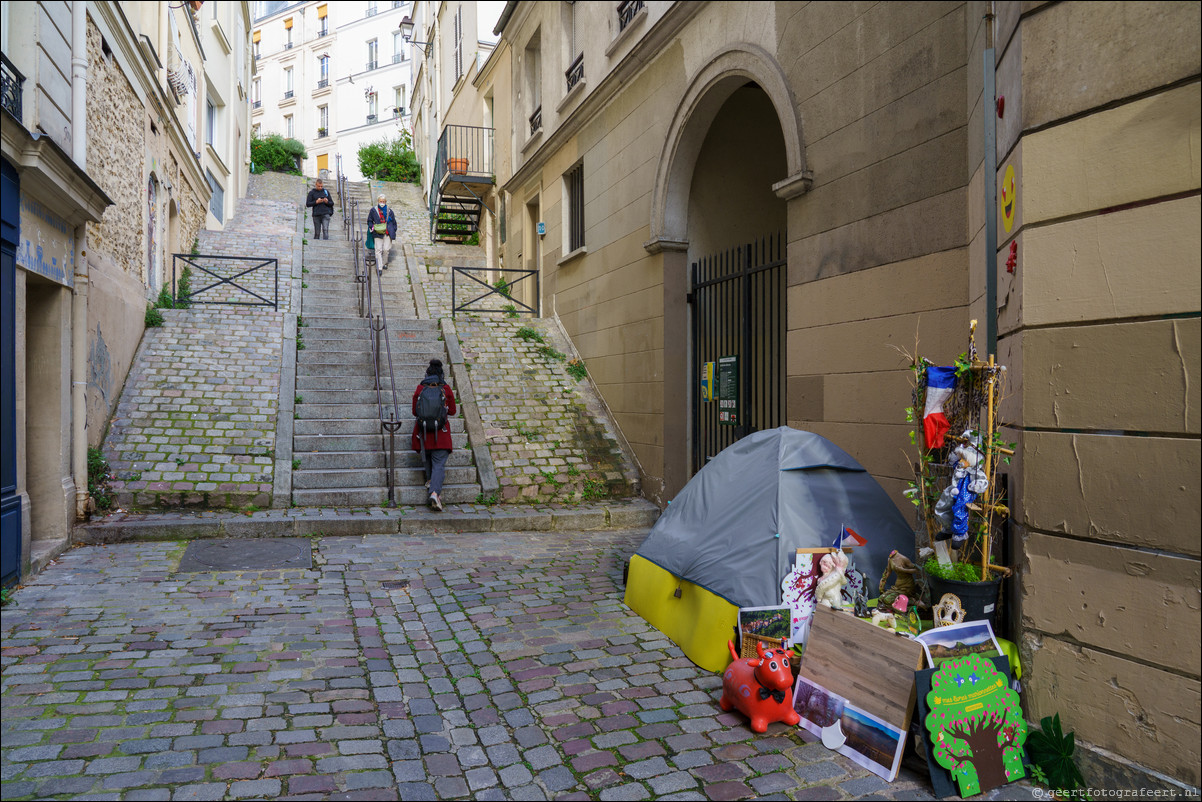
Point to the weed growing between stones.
(296, 463)
(547, 352)
(99, 476)
(195, 246)
(577, 370)
(530, 335)
(6, 596)
(527, 434)
(491, 500)
(511, 311)
(594, 489)
(300, 399)
(154, 317)
(183, 289)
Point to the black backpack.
(431, 407)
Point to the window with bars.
(373, 53)
(573, 183)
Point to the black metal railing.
(463, 151)
(397, 58)
(575, 73)
(371, 65)
(234, 280)
(322, 133)
(11, 87)
(371, 119)
(471, 279)
(324, 30)
(287, 45)
(536, 120)
(288, 94)
(255, 104)
(371, 11)
(627, 11)
(323, 83)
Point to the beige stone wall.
(1100, 324)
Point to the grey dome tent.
(728, 538)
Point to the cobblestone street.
(492, 666)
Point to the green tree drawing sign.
(976, 724)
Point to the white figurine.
(829, 590)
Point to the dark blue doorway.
(10, 502)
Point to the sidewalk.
(504, 666)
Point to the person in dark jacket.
(379, 215)
(436, 445)
(322, 204)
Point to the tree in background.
(274, 152)
(390, 160)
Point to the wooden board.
(865, 664)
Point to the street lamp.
(407, 35)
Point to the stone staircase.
(336, 435)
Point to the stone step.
(302, 444)
(354, 460)
(400, 348)
(374, 477)
(376, 496)
(359, 419)
(318, 365)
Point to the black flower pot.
(978, 599)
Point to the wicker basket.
(748, 640)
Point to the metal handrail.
(493, 289)
(390, 417)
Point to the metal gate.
(738, 309)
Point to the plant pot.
(457, 165)
(978, 599)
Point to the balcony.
(536, 120)
(10, 88)
(323, 83)
(322, 133)
(575, 73)
(371, 65)
(287, 45)
(397, 58)
(288, 95)
(627, 11)
(371, 11)
(371, 119)
(463, 174)
(324, 30)
(256, 104)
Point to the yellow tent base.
(699, 622)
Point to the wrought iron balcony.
(371, 11)
(627, 11)
(575, 73)
(371, 119)
(397, 58)
(288, 94)
(287, 45)
(13, 83)
(371, 65)
(255, 104)
(323, 83)
(536, 120)
(323, 30)
(322, 133)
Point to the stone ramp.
(196, 423)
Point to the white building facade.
(334, 76)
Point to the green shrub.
(154, 317)
(390, 160)
(183, 288)
(530, 335)
(577, 370)
(164, 301)
(277, 154)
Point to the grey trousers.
(321, 226)
(436, 468)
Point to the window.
(534, 80)
(210, 122)
(256, 48)
(397, 42)
(373, 53)
(399, 96)
(324, 80)
(217, 202)
(288, 33)
(288, 126)
(371, 9)
(323, 22)
(323, 121)
(458, 55)
(257, 94)
(372, 107)
(573, 190)
(287, 83)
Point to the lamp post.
(407, 34)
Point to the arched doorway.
(152, 234)
(732, 160)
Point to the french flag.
(940, 384)
(848, 537)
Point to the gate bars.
(738, 308)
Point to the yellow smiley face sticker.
(1008, 198)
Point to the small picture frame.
(958, 641)
(774, 623)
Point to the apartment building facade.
(111, 162)
(865, 178)
(334, 76)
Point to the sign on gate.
(728, 390)
(707, 381)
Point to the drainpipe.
(989, 101)
(79, 326)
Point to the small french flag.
(848, 537)
(940, 384)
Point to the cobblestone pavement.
(504, 667)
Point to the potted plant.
(955, 489)
(457, 164)
(321, 132)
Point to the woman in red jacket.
(432, 431)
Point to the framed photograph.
(766, 622)
(959, 640)
(854, 733)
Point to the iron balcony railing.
(627, 11)
(397, 58)
(371, 11)
(322, 133)
(536, 120)
(11, 87)
(233, 280)
(371, 65)
(574, 73)
(323, 30)
(287, 45)
(288, 94)
(464, 151)
(323, 83)
(256, 104)
(371, 119)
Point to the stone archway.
(713, 90)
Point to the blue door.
(10, 502)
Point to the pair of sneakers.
(436, 502)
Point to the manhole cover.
(246, 555)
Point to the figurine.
(905, 584)
(968, 481)
(859, 601)
(761, 689)
(949, 610)
(829, 590)
(880, 618)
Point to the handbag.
(381, 227)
